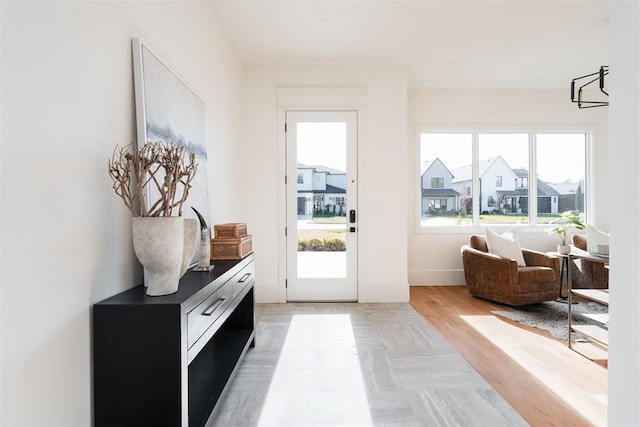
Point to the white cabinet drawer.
(202, 317)
(243, 279)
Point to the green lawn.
(504, 219)
(485, 219)
(515, 219)
(329, 220)
(496, 219)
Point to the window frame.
(521, 181)
(532, 130)
(440, 203)
(439, 182)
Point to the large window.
(446, 156)
(502, 157)
(491, 178)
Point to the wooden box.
(230, 230)
(236, 248)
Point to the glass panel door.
(321, 206)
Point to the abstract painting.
(168, 110)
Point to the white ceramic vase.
(564, 249)
(165, 247)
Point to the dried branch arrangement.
(158, 170)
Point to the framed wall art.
(168, 110)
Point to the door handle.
(352, 216)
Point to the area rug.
(552, 316)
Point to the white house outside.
(321, 191)
(502, 190)
(438, 195)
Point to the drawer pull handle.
(244, 278)
(209, 311)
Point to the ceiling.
(511, 44)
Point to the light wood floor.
(546, 382)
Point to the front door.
(321, 205)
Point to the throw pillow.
(597, 241)
(505, 245)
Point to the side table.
(564, 271)
(597, 334)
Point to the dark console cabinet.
(166, 361)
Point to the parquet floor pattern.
(325, 364)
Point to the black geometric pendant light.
(589, 78)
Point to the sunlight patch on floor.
(318, 379)
(532, 352)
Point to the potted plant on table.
(154, 182)
(563, 226)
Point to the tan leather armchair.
(499, 279)
(587, 274)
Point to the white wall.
(382, 166)
(434, 257)
(1, 198)
(624, 151)
(67, 95)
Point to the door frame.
(314, 99)
(342, 288)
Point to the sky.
(323, 143)
(560, 157)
